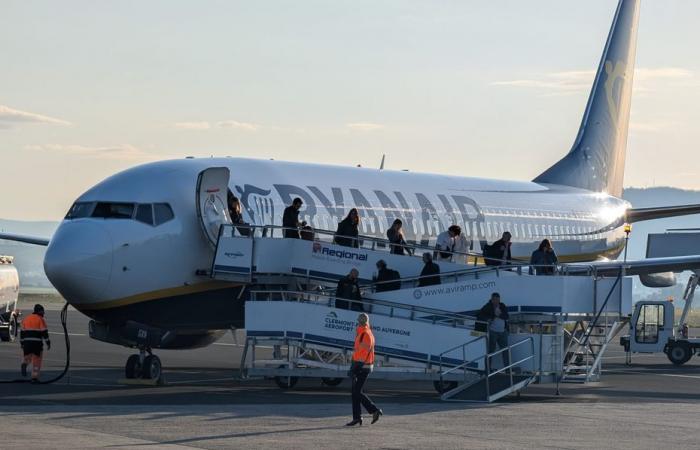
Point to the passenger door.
(212, 206)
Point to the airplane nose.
(78, 260)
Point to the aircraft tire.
(332, 381)
(442, 387)
(13, 331)
(133, 367)
(679, 353)
(152, 368)
(286, 382)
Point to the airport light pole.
(628, 230)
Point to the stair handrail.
(477, 255)
(448, 315)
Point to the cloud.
(193, 125)
(238, 125)
(575, 81)
(364, 126)
(120, 151)
(9, 115)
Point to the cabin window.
(144, 213)
(106, 210)
(80, 209)
(163, 213)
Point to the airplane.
(133, 248)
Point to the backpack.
(490, 252)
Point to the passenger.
(290, 219)
(397, 243)
(388, 279)
(307, 233)
(496, 314)
(461, 247)
(348, 230)
(362, 364)
(445, 245)
(430, 275)
(32, 336)
(349, 288)
(500, 250)
(236, 214)
(544, 260)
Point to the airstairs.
(423, 332)
(591, 335)
(313, 339)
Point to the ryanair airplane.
(130, 249)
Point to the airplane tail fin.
(597, 159)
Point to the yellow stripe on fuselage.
(157, 294)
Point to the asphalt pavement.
(204, 404)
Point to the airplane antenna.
(381, 165)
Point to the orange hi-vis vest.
(364, 345)
(34, 329)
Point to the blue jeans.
(499, 339)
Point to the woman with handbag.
(362, 363)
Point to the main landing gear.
(144, 365)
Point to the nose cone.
(78, 260)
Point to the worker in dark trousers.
(32, 336)
(362, 364)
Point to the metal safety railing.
(466, 366)
(422, 313)
(379, 244)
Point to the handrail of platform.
(439, 315)
(513, 265)
(361, 239)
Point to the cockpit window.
(113, 210)
(80, 209)
(144, 213)
(163, 213)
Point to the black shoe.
(354, 422)
(376, 415)
(35, 381)
(24, 369)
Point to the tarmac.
(204, 404)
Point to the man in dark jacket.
(290, 219)
(349, 288)
(496, 314)
(387, 279)
(430, 268)
(500, 250)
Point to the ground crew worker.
(362, 364)
(32, 336)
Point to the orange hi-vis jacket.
(364, 345)
(34, 329)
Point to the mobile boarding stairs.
(422, 333)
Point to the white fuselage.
(104, 263)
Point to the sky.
(475, 88)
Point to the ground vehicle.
(652, 329)
(9, 289)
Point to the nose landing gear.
(144, 365)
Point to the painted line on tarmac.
(231, 378)
(69, 334)
(677, 375)
(240, 345)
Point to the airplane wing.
(639, 267)
(640, 214)
(24, 238)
